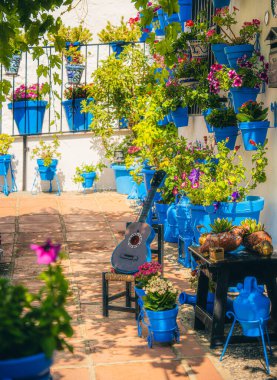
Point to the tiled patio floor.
(89, 226)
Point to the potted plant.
(218, 44)
(71, 36)
(162, 205)
(174, 93)
(28, 108)
(47, 158)
(75, 96)
(225, 125)
(15, 59)
(195, 37)
(34, 325)
(253, 124)
(213, 101)
(145, 273)
(5, 158)
(118, 36)
(74, 65)
(161, 309)
(87, 174)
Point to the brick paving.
(89, 227)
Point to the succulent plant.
(221, 225)
(251, 226)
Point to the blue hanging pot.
(117, 47)
(221, 134)
(163, 324)
(219, 53)
(88, 179)
(185, 12)
(76, 120)
(180, 117)
(253, 132)
(238, 51)
(221, 3)
(74, 73)
(205, 114)
(14, 65)
(47, 173)
(240, 95)
(251, 305)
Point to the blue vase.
(161, 210)
(219, 53)
(123, 123)
(163, 324)
(242, 95)
(183, 213)
(238, 211)
(74, 73)
(205, 114)
(238, 51)
(14, 65)
(221, 134)
(28, 116)
(117, 47)
(256, 131)
(76, 120)
(191, 299)
(123, 180)
(88, 179)
(180, 117)
(199, 217)
(30, 367)
(221, 3)
(47, 173)
(185, 12)
(171, 232)
(5, 161)
(251, 305)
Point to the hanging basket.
(219, 53)
(254, 131)
(74, 73)
(241, 95)
(238, 51)
(14, 65)
(198, 49)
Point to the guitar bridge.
(126, 256)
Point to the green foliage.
(223, 117)
(77, 91)
(47, 152)
(74, 56)
(123, 32)
(221, 225)
(72, 34)
(251, 226)
(160, 295)
(252, 111)
(5, 143)
(85, 168)
(32, 323)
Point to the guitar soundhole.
(135, 240)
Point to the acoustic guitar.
(135, 249)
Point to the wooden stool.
(129, 281)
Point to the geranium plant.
(74, 56)
(81, 91)
(32, 92)
(222, 117)
(146, 272)
(252, 111)
(34, 323)
(5, 143)
(86, 168)
(160, 294)
(47, 151)
(126, 32)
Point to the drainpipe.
(25, 150)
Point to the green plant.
(221, 225)
(32, 323)
(5, 143)
(47, 152)
(251, 225)
(146, 272)
(74, 56)
(123, 32)
(160, 295)
(78, 91)
(252, 111)
(32, 92)
(84, 168)
(71, 34)
(195, 68)
(223, 117)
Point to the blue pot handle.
(250, 283)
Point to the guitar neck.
(147, 205)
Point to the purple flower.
(216, 206)
(235, 196)
(194, 176)
(46, 253)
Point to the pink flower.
(47, 253)
(175, 191)
(183, 184)
(210, 33)
(183, 176)
(195, 185)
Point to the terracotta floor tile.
(78, 357)
(203, 369)
(89, 235)
(38, 219)
(6, 219)
(70, 374)
(37, 210)
(41, 227)
(39, 237)
(188, 346)
(86, 217)
(7, 228)
(7, 237)
(86, 226)
(138, 371)
(93, 246)
(7, 212)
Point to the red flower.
(227, 139)
(252, 142)
(237, 147)
(133, 149)
(189, 23)
(235, 9)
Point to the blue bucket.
(76, 120)
(185, 12)
(242, 95)
(219, 53)
(47, 173)
(123, 180)
(221, 134)
(180, 117)
(221, 3)
(30, 367)
(88, 179)
(199, 217)
(161, 210)
(256, 131)
(206, 113)
(5, 161)
(238, 51)
(28, 116)
(163, 324)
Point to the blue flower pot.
(123, 123)
(76, 120)
(171, 231)
(221, 3)
(47, 173)
(28, 116)
(199, 217)
(169, 117)
(139, 292)
(123, 180)
(185, 12)
(180, 117)
(88, 179)
(161, 18)
(163, 122)
(183, 213)
(221, 134)
(148, 175)
(14, 65)
(238, 51)
(238, 211)
(219, 53)
(163, 324)
(5, 161)
(242, 95)
(190, 299)
(30, 367)
(161, 210)
(205, 114)
(256, 131)
(74, 73)
(170, 19)
(251, 305)
(117, 47)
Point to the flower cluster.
(146, 272)
(160, 294)
(46, 253)
(133, 149)
(253, 71)
(134, 20)
(33, 92)
(221, 77)
(252, 111)
(78, 92)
